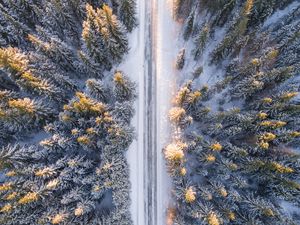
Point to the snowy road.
(135, 66)
(160, 89)
(166, 49)
(150, 64)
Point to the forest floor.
(150, 64)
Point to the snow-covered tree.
(78, 175)
(124, 88)
(75, 170)
(180, 59)
(239, 163)
(104, 37)
(127, 13)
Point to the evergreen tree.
(235, 39)
(103, 36)
(127, 12)
(69, 176)
(201, 41)
(13, 32)
(75, 170)
(124, 89)
(16, 64)
(60, 20)
(19, 115)
(98, 90)
(229, 164)
(59, 52)
(113, 33)
(24, 9)
(180, 59)
(189, 25)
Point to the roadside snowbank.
(133, 66)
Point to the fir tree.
(104, 38)
(189, 25)
(124, 89)
(74, 171)
(238, 165)
(201, 41)
(127, 11)
(16, 64)
(180, 59)
(13, 32)
(113, 34)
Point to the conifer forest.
(150, 112)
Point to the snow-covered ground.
(166, 49)
(280, 14)
(133, 66)
(159, 37)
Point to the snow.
(166, 50)
(211, 73)
(289, 208)
(279, 14)
(34, 138)
(133, 66)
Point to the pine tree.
(226, 8)
(201, 41)
(123, 112)
(113, 33)
(127, 11)
(124, 89)
(60, 20)
(59, 52)
(189, 25)
(180, 59)
(13, 32)
(75, 171)
(239, 165)
(16, 64)
(20, 115)
(235, 39)
(103, 36)
(98, 90)
(24, 9)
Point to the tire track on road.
(150, 146)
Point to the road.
(150, 64)
(160, 86)
(150, 136)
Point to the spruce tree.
(201, 41)
(16, 65)
(62, 145)
(104, 38)
(67, 177)
(113, 33)
(233, 157)
(127, 11)
(189, 25)
(180, 61)
(13, 32)
(124, 89)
